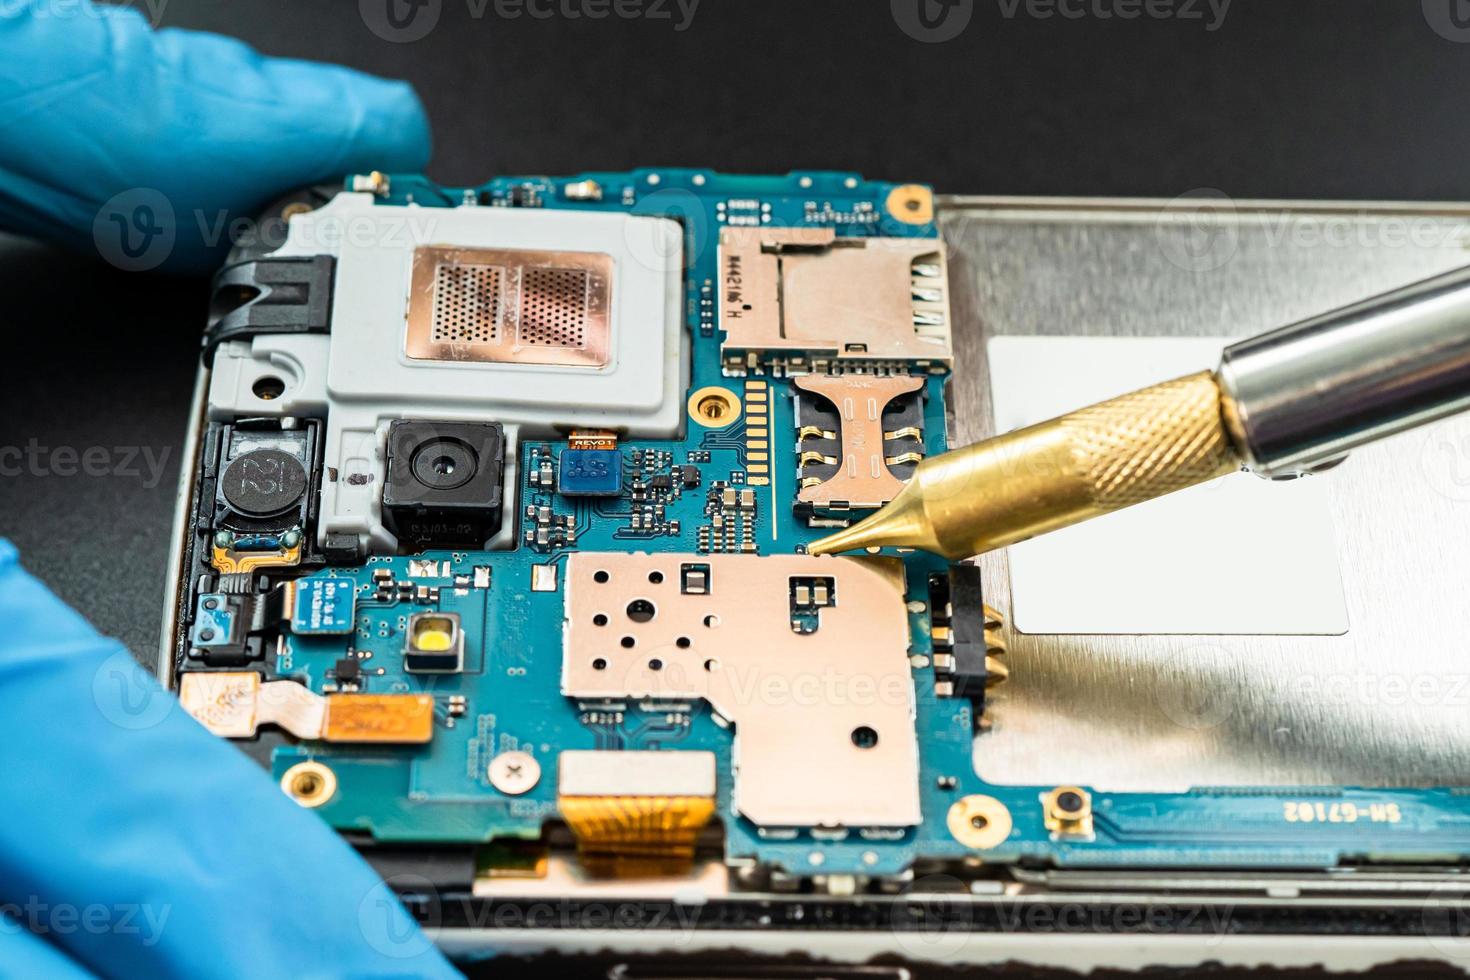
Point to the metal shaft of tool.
(1282, 404)
(1306, 395)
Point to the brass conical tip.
(852, 538)
(902, 523)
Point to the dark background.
(1351, 99)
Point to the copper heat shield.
(510, 306)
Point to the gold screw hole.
(309, 783)
(979, 822)
(912, 204)
(714, 407)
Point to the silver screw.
(514, 773)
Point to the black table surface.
(1344, 99)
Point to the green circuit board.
(729, 485)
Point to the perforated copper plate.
(510, 306)
(638, 627)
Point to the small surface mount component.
(322, 606)
(591, 466)
(582, 190)
(435, 643)
(444, 483)
(347, 671)
(810, 594)
(547, 529)
(732, 516)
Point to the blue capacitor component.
(323, 606)
(590, 473)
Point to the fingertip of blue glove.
(206, 122)
(393, 132)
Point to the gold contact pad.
(863, 478)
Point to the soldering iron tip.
(889, 526)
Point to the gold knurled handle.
(1151, 442)
(1056, 473)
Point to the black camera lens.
(443, 485)
(444, 464)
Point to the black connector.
(957, 615)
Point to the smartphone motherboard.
(495, 544)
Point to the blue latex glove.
(132, 842)
(142, 144)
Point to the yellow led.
(433, 635)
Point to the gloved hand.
(143, 144)
(135, 843)
(132, 842)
